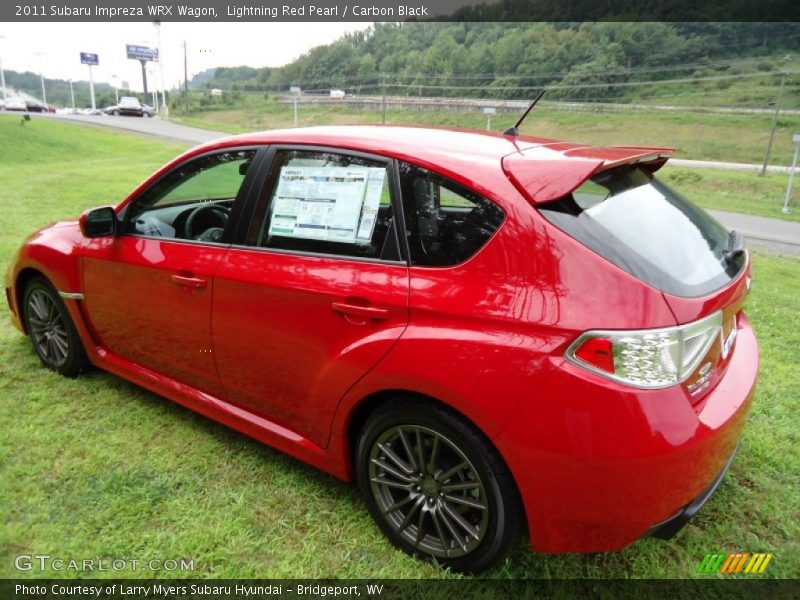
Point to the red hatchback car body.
(547, 314)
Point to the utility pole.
(185, 80)
(41, 76)
(786, 208)
(774, 122)
(383, 86)
(157, 25)
(72, 94)
(3, 75)
(91, 88)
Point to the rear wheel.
(436, 487)
(51, 329)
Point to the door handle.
(189, 281)
(368, 312)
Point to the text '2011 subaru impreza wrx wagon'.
(489, 333)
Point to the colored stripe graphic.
(734, 563)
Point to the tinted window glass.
(446, 223)
(649, 230)
(325, 203)
(193, 201)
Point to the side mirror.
(99, 222)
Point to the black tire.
(435, 512)
(51, 330)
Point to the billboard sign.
(87, 58)
(137, 52)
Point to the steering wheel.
(211, 234)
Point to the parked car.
(16, 103)
(130, 106)
(35, 106)
(488, 333)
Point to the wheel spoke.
(390, 454)
(407, 448)
(391, 470)
(444, 477)
(434, 455)
(437, 523)
(398, 505)
(61, 345)
(462, 485)
(391, 483)
(37, 324)
(421, 458)
(410, 515)
(470, 529)
(38, 307)
(453, 533)
(420, 529)
(465, 500)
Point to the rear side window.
(648, 230)
(445, 223)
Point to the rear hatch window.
(649, 230)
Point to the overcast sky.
(209, 45)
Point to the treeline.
(58, 92)
(578, 60)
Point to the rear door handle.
(189, 281)
(368, 312)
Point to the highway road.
(775, 235)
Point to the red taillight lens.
(598, 352)
(647, 358)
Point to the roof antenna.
(514, 131)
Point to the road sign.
(125, 85)
(87, 58)
(489, 110)
(137, 52)
(796, 138)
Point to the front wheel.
(437, 487)
(51, 329)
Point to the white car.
(16, 103)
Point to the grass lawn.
(730, 138)
(97, 467)
(701, 136)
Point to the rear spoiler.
(547, 178)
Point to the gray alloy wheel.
(51, 329)
(436, 486)
(47, 328)
(428, 491)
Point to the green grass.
(97, 467)
(700, 136)
(729, 138)
(734, 191)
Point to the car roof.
(469, 154)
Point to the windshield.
(648, 230)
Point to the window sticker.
(336, 204)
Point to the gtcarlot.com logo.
(735, 562)
(43, 562)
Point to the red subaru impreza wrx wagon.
(489, 333)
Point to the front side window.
(192, 202)
(324, 202)
(446, 224)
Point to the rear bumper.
(666, 530)
(600, 465)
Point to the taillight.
(647, 358)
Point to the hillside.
(588, 62)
